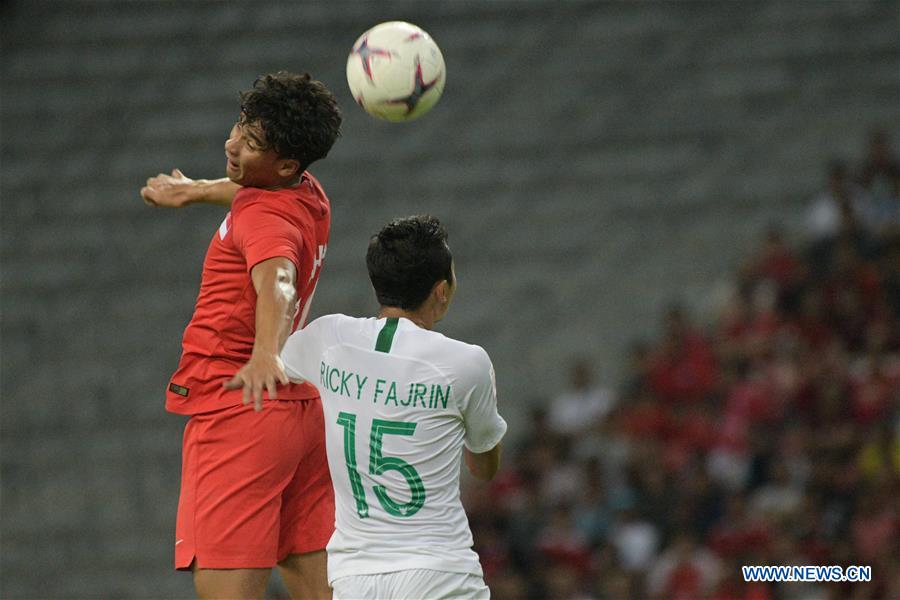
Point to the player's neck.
(284, 184)
(388, 312)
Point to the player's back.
(398, 403)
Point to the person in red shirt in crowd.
(684, 571)
(880, 172)
(647, 417)
(874, 526)
(255, 488)
(811, 324)
(738, 533)
(697, 429)
(684, 368)
(562, 541)
(873, 388)
(852, 295)
(777, 262)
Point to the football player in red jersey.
(255, 488)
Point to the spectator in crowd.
(582, 404)
(777, 262)
(637, 371)
(874, 525)
(636, 541)
(561, 541)
(840, 210)
(880, 171)
(779, 498)
(683, 368)
(889, 267)
(879, 456)
(591, 513)
(684, 571)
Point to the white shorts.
(411, 583)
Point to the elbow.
(290, 298)
(287, 288)
(484, 466)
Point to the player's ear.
(288, 167)
(441, 291)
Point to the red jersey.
(263, 224)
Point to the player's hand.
(262, 372)
(172, 191)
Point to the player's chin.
(233, 172)
(237, 177)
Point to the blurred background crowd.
(764, 431)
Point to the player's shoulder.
(246, 196)
(301, 209)
(336, 325)
(309, 193)
(251, 204)
(459, 347)
(462, 356)
(326, 322)
(311, 183)
(306, 190)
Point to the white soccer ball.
(396, 71)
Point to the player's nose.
(231, 146)
(233, 140)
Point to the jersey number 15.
(378, 464)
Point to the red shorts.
(255, 486)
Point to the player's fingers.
(257, 397)
(177, 173)
(148, 194)
(283, 378)
(270, 387)
(247, 395)
(235, 383)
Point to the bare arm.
(484, 465)
(176, 190)
(275, 284)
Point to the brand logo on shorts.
(179, 389)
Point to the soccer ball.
(396, 71)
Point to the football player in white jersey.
(403, 405)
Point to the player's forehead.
(252, 128)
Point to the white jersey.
(399, 402)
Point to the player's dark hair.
(406, 258)
(298, 115)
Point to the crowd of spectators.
(768, 436)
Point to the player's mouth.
(232, 166)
